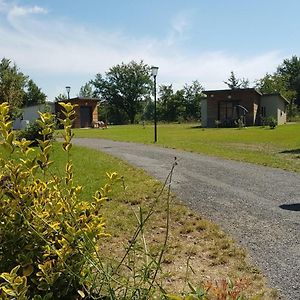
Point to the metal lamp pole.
(154, 71)
(68, 88)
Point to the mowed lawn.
(278, 148)
(193, 241)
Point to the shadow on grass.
(291, 151)
(293, 206)
(196, 127)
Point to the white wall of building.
(30, 114)
(275, 106)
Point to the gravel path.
(258, 206)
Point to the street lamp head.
(68, 88)
(154, 71)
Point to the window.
(228, 110)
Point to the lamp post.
(154, 71)
(68, 88)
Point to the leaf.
(9, 292)
(28, 270)
(48, 296)
(14, 271)
(7, 277)
(43, 286)
(81, 293)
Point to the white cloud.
(13, 10)
(211, 69)
(17, 11)
(50, 48)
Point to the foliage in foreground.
(50, 238)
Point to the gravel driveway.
(258, 206)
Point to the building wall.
(275, 107)
(248, 98)
(81, 102)
(31, 113)
(204, 112)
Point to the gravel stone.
(258, 206)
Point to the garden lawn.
(279, 148)
(197, 249)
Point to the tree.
(170, 104)
(86, 91)
(192, 100)
(61, 97)
(124, 87)
(33, 95)
(17, 89)
(289, 70)
(236, 83)
(244, 83)
(276, 83)
(184, 104)
(12, 84)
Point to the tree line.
(126, 91)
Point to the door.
(85, 116)
(228, 112)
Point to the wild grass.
(279, 147)
(197, 251)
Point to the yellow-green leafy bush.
(48, 237)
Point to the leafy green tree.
(148, 111)
(86, 91)
(192, 100)
(184, 104)
(170, 105)
(236, 83)
(125, 87)
(274, 83)
(17, 89)
(289, 70)
(12, 84)
(33, 95)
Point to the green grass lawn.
(278, 148)
(210, 252)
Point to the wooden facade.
(86, 111)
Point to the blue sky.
(59, 43)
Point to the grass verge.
(198, 250)
(279, 148)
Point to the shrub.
(47, 235)
(239, 123)
(218, 123)
(33, 132)
(271, 122)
